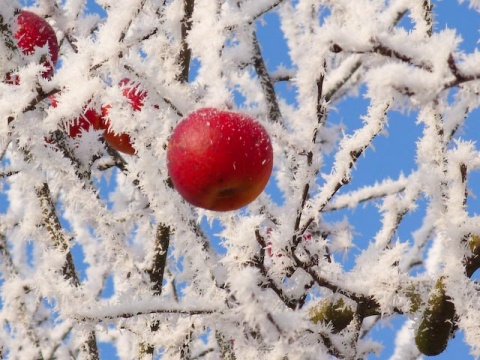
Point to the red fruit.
(269, 250)
(33, 31)
(12, 79)
(136, 97)
(307, 235)
(219, 160)
(120, 142)
(90, 118)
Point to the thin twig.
(128, 315)
(157, 270)
(274, 113)
(262, 12)
(428, 16)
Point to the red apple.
(136, 97)
(120, 142)
(219, 160)
(33, 31)
(89, 119)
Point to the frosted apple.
(219, 160)
(136, 96)
(122, 141)
(90, 118)
(32, 32)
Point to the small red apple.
(89, 119)
(120, 142)
(219, 160)
(33, 31)
(136, 97)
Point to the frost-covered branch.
(351, 149)
(40, 96)
(256, 9)
(157, 270)
(6, 257)
(268, 282)
(111, 313)
(428, 16)
(185, 52)
(225, 345)
(9, 173)
(335, 92)
(382, 49)
(54, 228)
(460, 78)
(6, 35)
(266, 81)
(378, 190)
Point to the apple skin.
(120, 142)
(136, 98)
(219, 160)
(33, 31)
(89, 118)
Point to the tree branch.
(185, 52)
(128, 315)
(52, 223)
(262, 12)
(6, 34)
(157, 270)
(381, 49)
(428, 16)
(274, 113)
